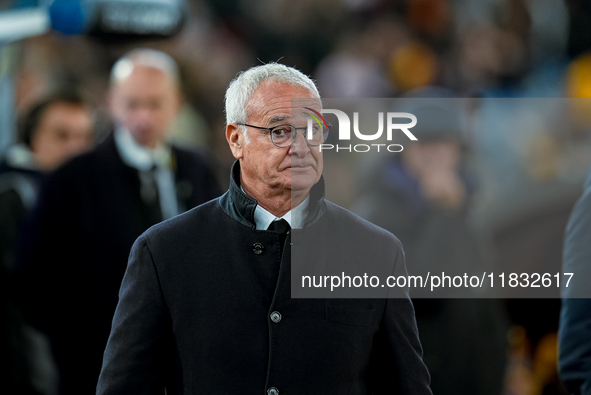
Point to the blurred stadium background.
(531, 171)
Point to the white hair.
(147, 58)
(243, 86)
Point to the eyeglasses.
(284, 135)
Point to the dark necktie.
(282, 227)
(149, 193)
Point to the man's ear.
(235, 139)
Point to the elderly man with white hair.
(94, 207)
(206, 305)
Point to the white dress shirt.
(144, 159)
(294, 217)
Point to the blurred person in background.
(423, 195)
(52, 131)
(574, 332)
(91, 210)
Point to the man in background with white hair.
(206, 303)
(93, 208)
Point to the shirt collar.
(138, 156)
(21, 157)
(294, 217)
(241, 207)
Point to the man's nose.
(300, 145)
(144, 115)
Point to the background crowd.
(499, 184)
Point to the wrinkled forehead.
(303, 108)
(142, 79)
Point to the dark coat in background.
(75, 249)
(19, 186)
(196, 307)
(18, 192)
(574, 334)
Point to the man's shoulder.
(191, 156)
(187, 224)
(341, 218)
(193, 153)
(197, 167)
(96, 158)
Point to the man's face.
(65, 129)
(145, 103)
(265, 168)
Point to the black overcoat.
(197, 303)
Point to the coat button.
(258, 248)
(275, 317)
(272, 391)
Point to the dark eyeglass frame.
(292, 138)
